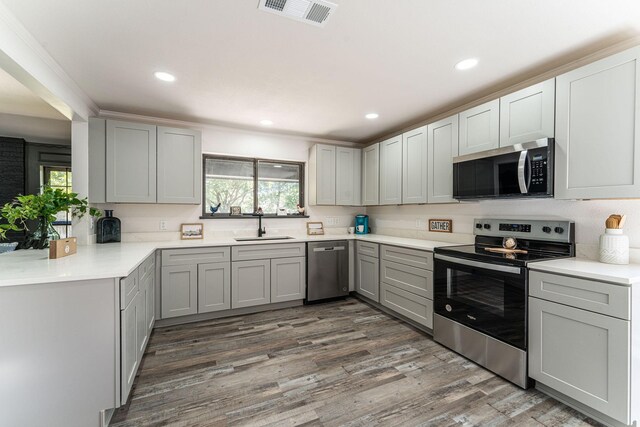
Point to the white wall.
(143, 220)
(589, 216)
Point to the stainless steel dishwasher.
(327, 270)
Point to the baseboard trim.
(225, 313)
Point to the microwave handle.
(522, 179)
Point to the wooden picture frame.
(315, 228)
(192, 231)
(441, 225)
(235, 211)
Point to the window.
(252, 183)
(59, 177)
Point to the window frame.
(255, 161)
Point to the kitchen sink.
(259, 239)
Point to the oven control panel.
(551, 230)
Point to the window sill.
(251, 216)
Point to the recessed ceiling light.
(164, 76)
(277, 166)
(372, 116)
(466, 64)
(266, 122)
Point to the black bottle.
(108, 228)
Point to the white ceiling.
(237, 65)
(16, 99)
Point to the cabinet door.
(179, 166)
(442, 139)
(581, 354)
(322, 173)
(131, 162)
(97, 161)
(250, 283)
(479, 128)
(288, 279)
(214, 287)
(371, 175)
(348, 176)
(597, 129)
(368, 277)
(391, 171)
(408, 304)
(129, 347)
(142, 335)
(151, 301)
(414, 166)
(528, 114)
(179, 290)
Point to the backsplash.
(589, 216)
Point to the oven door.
(490, 298)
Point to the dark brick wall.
(12, 172)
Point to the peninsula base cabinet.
(579, 355)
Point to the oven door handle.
(482, 265)
(522, 165)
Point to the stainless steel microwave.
(520, 170)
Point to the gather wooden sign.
(441, 225)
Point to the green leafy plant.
(42, 207)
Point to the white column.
(82, 229)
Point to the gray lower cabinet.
(406, 283)
(250, 283)
(179, 293)
(288, 278)
(368, 277)
(128, 347)
(583, 355)
(151, 301)
(214, 287)
(142, 326)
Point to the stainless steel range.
(480, 290)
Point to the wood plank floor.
(336, 364)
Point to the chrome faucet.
(261, 230)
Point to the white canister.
(614, 247)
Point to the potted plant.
(42, 208)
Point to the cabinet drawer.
(128, 289)
(410, 305)
(599, 297)
(194, 256)
(412, 279)
(412, 257)
(147, 267)
(368, 249)
(274, 250)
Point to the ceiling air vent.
(314, 12)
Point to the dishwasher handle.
(329, 249)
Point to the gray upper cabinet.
(322, 175)
(443, 147)
(348, 176)
(597, 129)
(479, 128)
(391, 171)
(214, 287)
(131, 162)
(414, 166)
(528, 114)
(371, 175)
(97, 161)
(179, 166)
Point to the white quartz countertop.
(626, 275)
(30, 267)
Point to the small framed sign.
(441, 225)
(315, 228)
(235, 211)
(191, 231)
